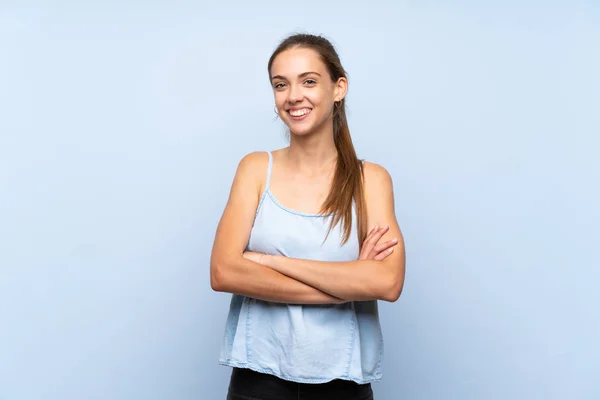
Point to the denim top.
(302, 343)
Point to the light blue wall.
(121, 124)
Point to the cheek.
(317, 97)
(280, 100)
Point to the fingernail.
(390, 249)
(394, 240)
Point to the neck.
(312, 151)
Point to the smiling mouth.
(299, 114)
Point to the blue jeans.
(246, 384)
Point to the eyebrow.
(302, 75)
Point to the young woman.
(307, 244)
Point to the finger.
(376, 238)
(384, 254)
(372, 232)
(380, 232)
(368, 243)
(384, 245)
(381, 247)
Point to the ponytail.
(347, 186)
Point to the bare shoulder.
(376, 178)
(253, 165)
(254, 161)
(252, 170)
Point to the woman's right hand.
(372, 249)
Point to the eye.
(279, 85)
(310, 81)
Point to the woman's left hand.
(373, 248)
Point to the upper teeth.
(299, 113)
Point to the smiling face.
(304, 91)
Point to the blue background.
(121, 125)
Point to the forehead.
(295, 61)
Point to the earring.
(275, 109)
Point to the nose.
(295, 94)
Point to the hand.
(252, 256)
(372, 249)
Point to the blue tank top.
(302, 343)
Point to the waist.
(305, 344)
(246, 382)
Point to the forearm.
(352, 281)
(247, 278)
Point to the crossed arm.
(288, 280)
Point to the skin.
(300, 181)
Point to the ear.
(340, 89)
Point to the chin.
(300, 129)
(303, 129)
(301, 132)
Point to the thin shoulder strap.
(269, 170)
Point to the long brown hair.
(347, 185)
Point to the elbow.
(216, 284)
(217, 278)
(392, 290)
(224, 276)
(392, 295)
